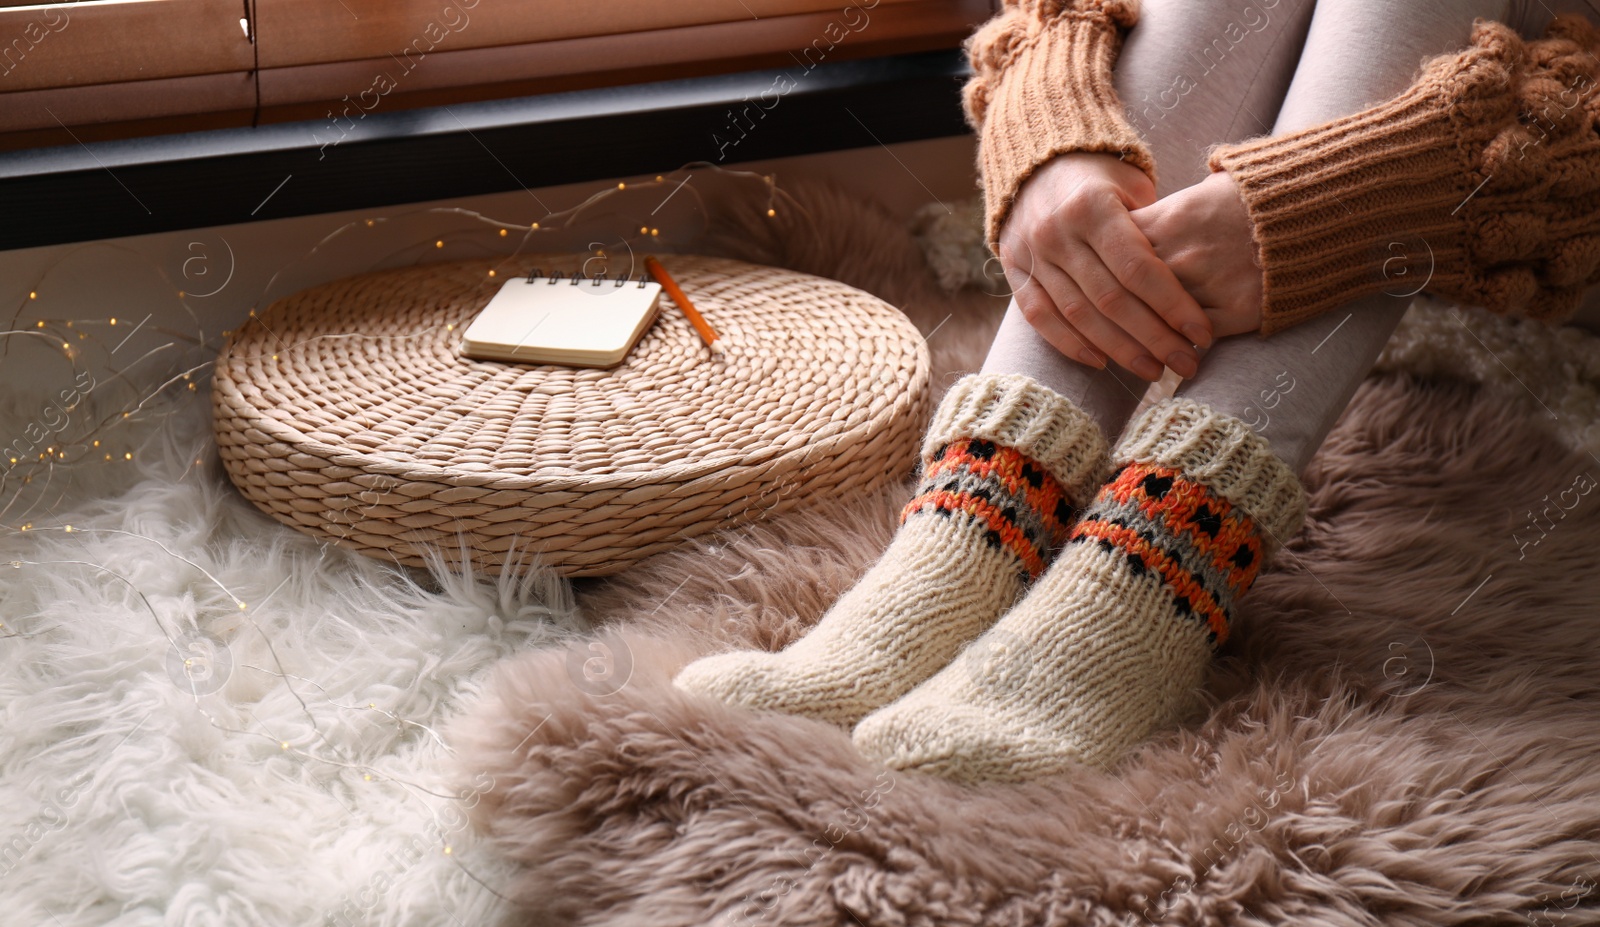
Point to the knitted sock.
(1113, 642)
(1004, 464)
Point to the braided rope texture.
(346, 411)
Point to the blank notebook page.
(558, 322)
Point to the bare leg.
(1191, 76)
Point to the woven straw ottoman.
(347, 412)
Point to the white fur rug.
(290, 772)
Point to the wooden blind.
(110, 68)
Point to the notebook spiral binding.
(577, 278)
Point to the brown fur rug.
(1403, 729)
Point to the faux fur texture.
(291, 773)
(1402, 731)
(1350, 774)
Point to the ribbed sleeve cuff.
(1225, 455)
(1054, 96)
(1358, 206)
(1373, 202)
(1019, 412)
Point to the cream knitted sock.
(1113, 642)
(1005, 462)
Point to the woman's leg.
(1113, 641)
(1293, 386)
(1001, 450)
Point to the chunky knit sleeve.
(1041, 86)
(1480, 182)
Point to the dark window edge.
(227, 176)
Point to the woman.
(1094, 575)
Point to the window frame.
(138, 186)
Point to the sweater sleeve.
(1041, 86)
(1480, 182)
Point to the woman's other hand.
(1085, 276)
(1203, 234)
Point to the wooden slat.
(106, 41)
(363, 86)
(126, 100)
(294, 32)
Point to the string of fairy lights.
(30, 495)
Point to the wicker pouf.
(346, 411)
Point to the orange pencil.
(707, 333)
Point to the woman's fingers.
(1089, 278)
(1066, 315)
(1076, 310)
(1123, 248)
(1135, 186)
(1040, 311)
(1118, 322)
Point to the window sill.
(232, 175)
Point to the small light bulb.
(450, 327)
(242, 606)
(643, 229)
(97, 444)
(69, 529)
(113, 320)
(284, 745)
(502, 233)
(447, 851)
(40, 324)
(181, 294)
(491, 273)
(33, 294)
(439, 243)
(536, 225)
(771, 213)
(659, 178)
(655, 231)
(622, 186)
(127, 455)
(108, 456)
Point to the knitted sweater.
(1480, 182)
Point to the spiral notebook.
(553, 319)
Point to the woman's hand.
(1203, 234)
(1085, 276)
